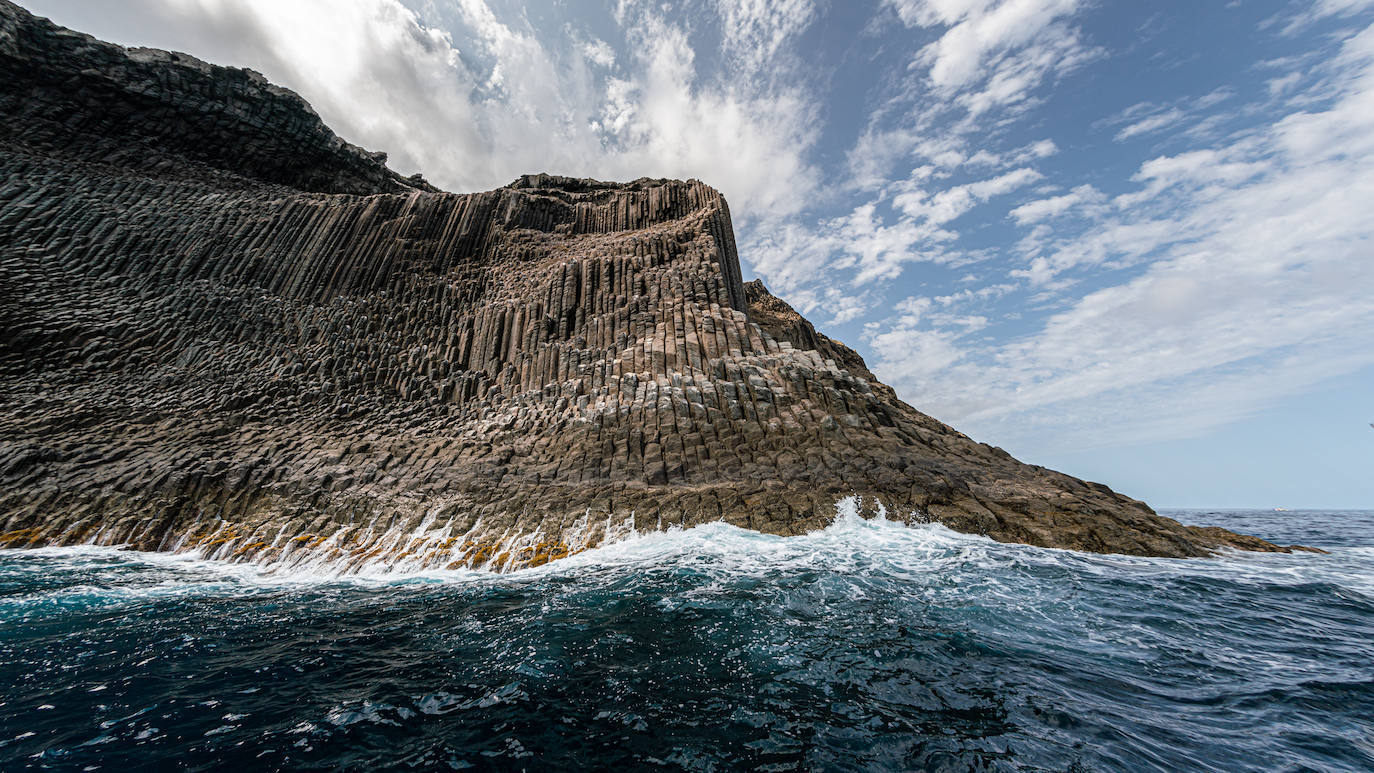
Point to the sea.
(868, 645)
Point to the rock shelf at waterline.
(224, 329)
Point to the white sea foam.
(850, 545)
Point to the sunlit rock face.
(224, 329)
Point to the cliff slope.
(223, 328)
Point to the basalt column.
(224, 329)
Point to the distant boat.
(1280, 509)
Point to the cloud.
(1043, 209)
(1326, 8)
(756, 34)
(865, 242)
(950, 203)
(985, 57)
(971, 63)
(599, 53)
(878, 250)
(474, 98)
(977, 31)
(792, 256)
(986, 61)
(1257, 282)
(993, 54)
(1151, 124)
(752, 146)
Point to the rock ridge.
(163, 113)
(224, 329)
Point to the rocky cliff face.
(224, 329)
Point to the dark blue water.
(868, 646)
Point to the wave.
(849, 546)
(898, 646)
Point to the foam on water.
(867, 644)
(849, 545)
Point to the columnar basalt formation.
(224, 329)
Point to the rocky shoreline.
(224, 329)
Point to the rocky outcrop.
(224, 329)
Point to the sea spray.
(866, 644)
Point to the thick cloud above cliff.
(473, 97)
(1053, 223)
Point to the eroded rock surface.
(223, 328)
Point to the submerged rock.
(223, 328)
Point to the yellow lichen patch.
(23, 536)
(544, 552)
(477, 554)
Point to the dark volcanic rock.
(223, 328)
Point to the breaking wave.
(866, 645)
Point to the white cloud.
(792, 256)
(1283, 84)
(1043, 209)
(919, 354)
(1043, 149)
(1153, 123)
(475, 111)
(948, 204)
(751, 146)
(1258, 282)
(987, 56)
(929, 13)
(756, 34)
(982, 68)
(1340, 7)
(977, 32)
(599, 53)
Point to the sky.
(1131, 241)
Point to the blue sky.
(1128, 240)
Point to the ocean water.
(865, 646)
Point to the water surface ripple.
(866, 646)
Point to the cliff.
(224, 329)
